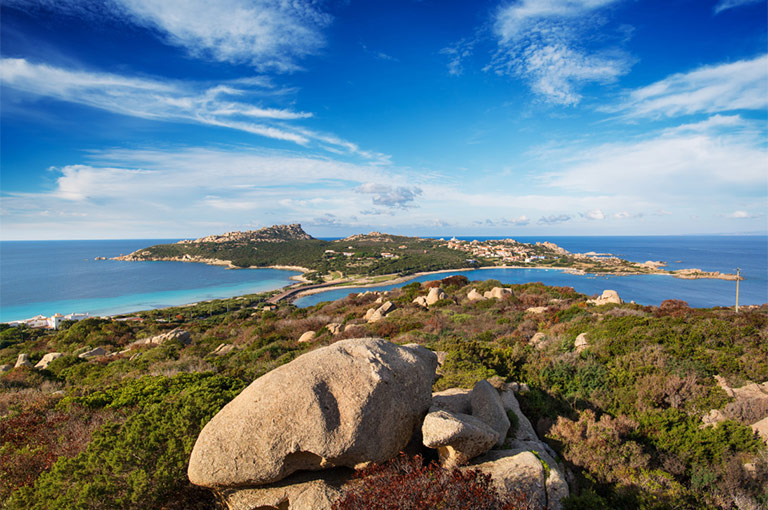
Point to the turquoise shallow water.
(46, 277)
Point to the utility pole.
(738, 272)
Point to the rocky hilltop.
(273, 234)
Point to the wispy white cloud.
(266, 34)
(458, 53)
(594, 214)
(741, 85)
(544, 42)
(723, 5)
(671, 163)
(222, 105)
(742, 215)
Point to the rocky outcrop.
(457, 437)
(351, 403)
(46, 360)
(607, 297)
(176, 334)
(538, 340)
(22, 361)
(435, 295)
(380, 312)
(307, 336)
(487, 406)
(223, 349)
(497, 293)
(516, 471)
(421, 301)
(474, 295)
(5, 368)
(300, 491)
(334, 328)
(93, 353)
(581, 342)
(536, 309)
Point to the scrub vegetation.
(624, 414)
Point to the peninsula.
(377, 257)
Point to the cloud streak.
(543, 43)
(741, 85)
(269, 35)
(221, 105)
(723, 5)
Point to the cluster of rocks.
(494, 293)
(608, 296)
(749, 406)
(289, 439)
(434, 295)
(177, 334)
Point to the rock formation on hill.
(273, 234)
(288, 440)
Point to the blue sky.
(138, 118)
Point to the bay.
(710, 253)
(46, 277)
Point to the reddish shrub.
(407, 484)
(456, 280)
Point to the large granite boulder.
(581, 342)
(351, 403)
(457, 437)
(435, 295)
(43, 363)
(487, 406)
(498, 293)
(514, 471)
(474, 295)
(300, 491)
(93, 353)
(608, 296)
(22, 361)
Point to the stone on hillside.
(22, 361)
(351, 326)
(421, 301)
(307, 336)
(300, 491)
(516, 472)
(333, 328)
(519, 469)
(499, 293)
(98, 351)
(223, 349)
(176, 334)
(525, 431)
(487, 406)
(369, 313)
(5, 368)
(43, 363)
(457, 437)
(381, 312)
(474, 295)
(536, 309)
(608, 296)
(761, 428)
(537, 340)
(435, 295)
(581, 342)
(348, 404)
(455, 400)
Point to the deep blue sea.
(46, 277)
(710, 253)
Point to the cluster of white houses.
(52, 322)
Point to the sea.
(47, 277)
